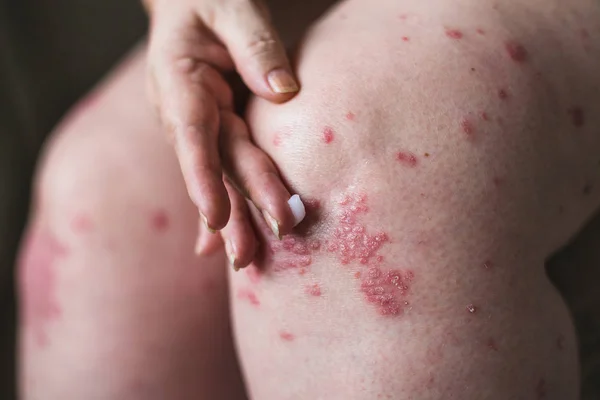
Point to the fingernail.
(297, 208)
(229, 250)
(273, 224)
(211, 230)
(281, 81)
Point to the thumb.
(258, 53)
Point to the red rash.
(485, 116)
(480, 31)
(454, 34)
(350, 241)
(405, 38)
(82, 223)
(277, 140)
(350, 116)
(467, 126)
(249, 296)
(516, 51)
(502, 94)
(287, 336)
(407, 158)
(314, 290)
(37, 268)
(577, 116)
(160, 221)
(328, 135)
(253, 274)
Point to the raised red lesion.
(37, 269)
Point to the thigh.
(114, 302)
(443, 154)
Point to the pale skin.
(496, 185)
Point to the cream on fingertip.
(297, 208)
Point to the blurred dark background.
(51, 53)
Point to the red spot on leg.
(467, 127)
(328, 135)
(502, 94)
(471, 309)
(287, 336)
(37, 269)
(407, 158)
(480, 31)
(577, 116)
(492, 345)
(277, 139)
(253, 274)
(484, 116)
(387, 289)
(82, 223)
(516, 51)
(454, 33)
(314, 290)
(160, 221)
(249, 296)
(498, 181)
(405, 38)
(350, 116)
(403, 17)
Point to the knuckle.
(262, 44)
(191, 68)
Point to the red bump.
(277, 140)
(577, 116)
(403, 17)
(253, 274)
(471, 309)
(454, 33)
(480, 31)
(491, 344)
(249, 296)
(502, 94)
(314, 290)
(516, 51)
(287, 336)
(82, 223)
(328, 135)
(350, 116)
(407, 158)
(488, 264)
(37, 277)
(467, 126)
(160, 221)
(485, 116)
(405, 38)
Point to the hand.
(191, 43)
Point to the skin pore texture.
(438, 173)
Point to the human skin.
(468, 227)
(468, 145)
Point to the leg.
(445, 156)
(114, 303)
